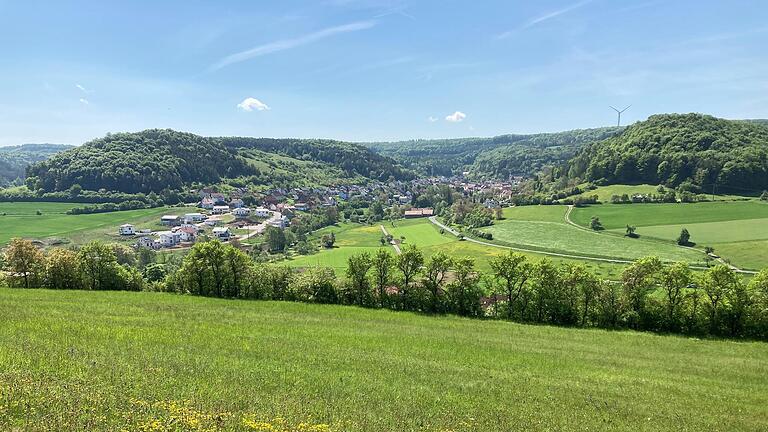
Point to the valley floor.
(75, 360)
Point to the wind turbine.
(618, 123)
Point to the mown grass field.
(354, 238)
(22, 220)
(619, 215)
(544, 227)
(737, 230)
(604, 193)
(138, 361)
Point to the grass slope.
(90, 360)
(737, 230)
(353, 238)
(544, 227)
(21, 220)
(618, 216)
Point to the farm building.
(127, 229)
(169, 238)
(149, 243)
(261, 212)
(207, 203)
(187, 233)
(418, 212)
(170, 220)
(241, 212)
(222, 233)
(194, 217)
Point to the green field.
(544, 228)
(604, 193)
(737, 230)
(138, 361)
(354, 238)
(619, 215)
(22, 220)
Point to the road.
(394, 245)
(434, 220)
(260, 228)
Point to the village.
(220, 214)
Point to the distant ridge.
(157, 160)
(697, 150)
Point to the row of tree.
(650, 296)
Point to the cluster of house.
(181, 229)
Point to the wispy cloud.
(285, 44)
(250, 104)
(82, 89)
(84, 101)
(431, 119)
(400, 10)
(456, 117)
(544, 18)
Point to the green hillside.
(673, 149)
(154, 160)
(14, 160)
(496, 157)
(74, 360)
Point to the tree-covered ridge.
(673, 149)
(14, 160)
(353, 159)
(163, 159)
(151, 160)
(530, 155)
(499, 156)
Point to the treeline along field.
(650, 295)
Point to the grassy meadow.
(545, 228)
(75, 360)
(21, 220)
(604, 193)
(354, 238)
(737, 230)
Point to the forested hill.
(15, 159)
(159, 159)
(351, 158)
(498, 157)
(675, 149)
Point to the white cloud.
(250, 104)
(431, 119)
(289, 43)
(84, 101)
(456, 117)
(82, 89)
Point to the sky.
(371, 70)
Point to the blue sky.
(372, 69)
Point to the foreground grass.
(101, 361)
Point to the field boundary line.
(434, 220)
(386, 234)
(720, 260)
